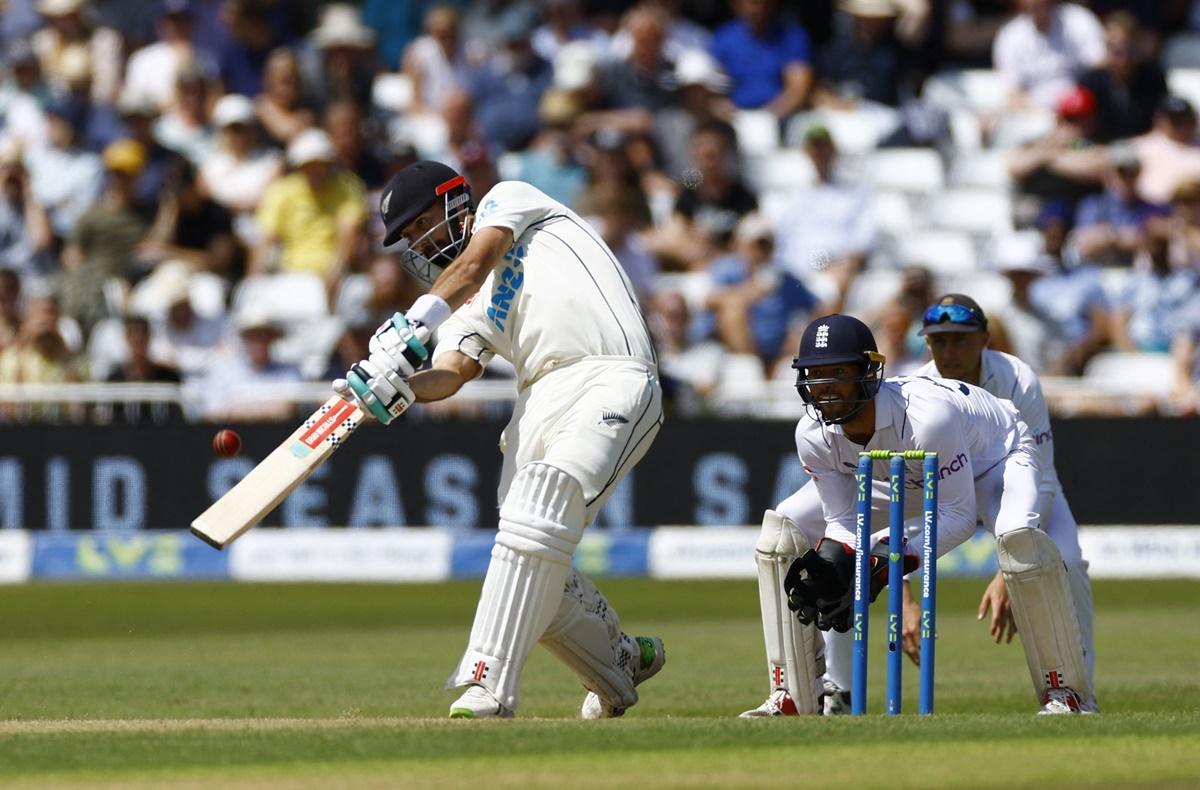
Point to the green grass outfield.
(224, 685)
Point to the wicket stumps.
(862, 574)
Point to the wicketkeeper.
(524, 278)
(989, 471)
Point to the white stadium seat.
(912, 170)
(992, 291)
(779, 171)
(893, 212)
(980, 212)
(692, 286)
(966, 131)
(981, 90)
(290, 298)
(870, 289)
(1132, 372)
(1015, 129)
(980, 169)
(1185, 83)
(757, 131)
(941, 251)
(854, 131)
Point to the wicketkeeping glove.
(820, 583)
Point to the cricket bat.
(288, 465)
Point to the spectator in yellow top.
(311, 220)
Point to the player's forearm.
(466, 274)
(435, 384)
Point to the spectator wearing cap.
(1128, 85)
(1170, 153)
(508, 86)
(866, 60)
(70, 32)
(102, 244)
(245, 383)
(192, 227)
(1111, 227)
(1042, 50)
(712, 202)
(65, 179)
(241, 168)
(153, 69)
(184, 126)
(753, 302)
(825, 231)
(311, 220)
(1032, 336)
(767, 56)
(280, 107)
(436, 62)
(340, 60)
(26, 241)
(1065, 163)
(1149, 307)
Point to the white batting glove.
(399, 345)
(382, 394)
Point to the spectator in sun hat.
(436, 62)
(241, 167)
(70, 29)
(1170, 153)
(340, 63)
(1032, 336)
(245, 382)
(312, 219)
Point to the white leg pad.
(1044, 610)
(586, 635)
(795, 652)
(541, 523)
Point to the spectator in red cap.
(1065, 163)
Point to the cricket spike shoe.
(478, 703)
(780, 703)
(644, 664)
(1063, 701)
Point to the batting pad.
(795, 660)
(1043, 608)
(586, 636)
(541, 523)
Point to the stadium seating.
(1132, 372)
(911, 170)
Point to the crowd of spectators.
(187, 192)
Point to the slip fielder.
(524, 278)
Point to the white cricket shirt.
(558, 296)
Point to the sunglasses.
(954, 313)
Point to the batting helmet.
(408, 195)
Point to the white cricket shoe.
(835, 701)
(643, 665)
(478, 703)
(780, 703)
(1064, 701)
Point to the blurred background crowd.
(188, 187)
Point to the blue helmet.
(838, 340)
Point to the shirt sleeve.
(514, 205)
(798, 48)
(464, 333)
(269, 216)
(834, 486)
(1031, 403)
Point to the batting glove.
(399, 345)
(382, 394)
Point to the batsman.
(988, 472)
(522, 277)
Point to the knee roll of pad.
(543, 514)
(780, 536)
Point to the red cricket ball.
(227, 443)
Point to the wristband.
(430, 310)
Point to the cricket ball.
(227, 443)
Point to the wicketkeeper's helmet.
(834, 340)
